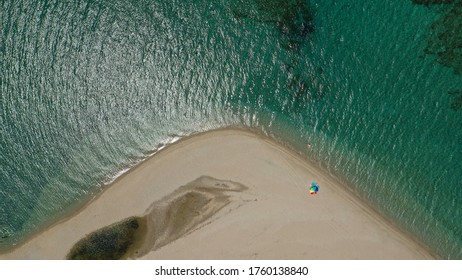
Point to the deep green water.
(89, 88)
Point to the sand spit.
(259, 208)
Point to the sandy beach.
(230, 194)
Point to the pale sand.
(270, 215)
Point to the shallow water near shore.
(90, 88)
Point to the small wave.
(117, 175)
(163, 144)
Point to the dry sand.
(254, 204)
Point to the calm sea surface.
(90, 88)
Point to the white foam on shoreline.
(163, 145)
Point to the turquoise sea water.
(90, 88)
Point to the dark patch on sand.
(168, 219)
(109, 243)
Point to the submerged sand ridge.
(263, 210)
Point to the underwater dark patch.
(293, 18)
(444, 40)
(432, 2)
(457, 102)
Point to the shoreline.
(157, 177)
